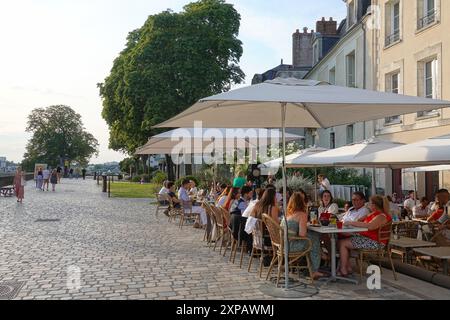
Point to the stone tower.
(302, 50)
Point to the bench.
(7, 191)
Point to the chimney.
(327, 27)
(302, 48)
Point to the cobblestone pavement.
(123, 251)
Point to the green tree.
(168, 64)
(57, 131)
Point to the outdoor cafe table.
(442, 253)
(333, 233)
(409, 244)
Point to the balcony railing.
(428, 19)
(392, 38)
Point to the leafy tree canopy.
(168, 64)
(57, 132)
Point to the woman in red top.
(365, 240)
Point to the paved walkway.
(124, 252)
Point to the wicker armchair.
(187, 215)
(384, 235)
(259, 249)
(173, 211)
(277, 238)
(162, 202)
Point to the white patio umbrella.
(428, 169)
(293, 103)
(197, 139)
(434, 151)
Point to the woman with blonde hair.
(365, 240)
(297, 222)
(19, 184)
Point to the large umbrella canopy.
(434, 151)
(334, 158)
(428, 169)
(309, 104)
(196, 140)
(284, 103)
(296, 157)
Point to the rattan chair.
(162, 202)
(259, 249)
(277, 238)
(187, 215)
(173, 211)
(226, 239)
(210, 217)
(384, 235)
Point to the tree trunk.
(170, 171)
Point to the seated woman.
(222, 198)
(365, 240)
(327, 205)
(297, 220)
(172, 196)
(267, 204)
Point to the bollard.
(105, 182)
(109, 187)
(95, 175)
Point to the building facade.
(413, 54)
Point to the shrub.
(159, 177)
(136, 179)
(295, 183)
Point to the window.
(332, 140)
(427, 14)
(392, 85)
(351, 70)
(350, 134)
(351, 14)
(393, 23)
(316, 52)
(332, 76)
(429, 83)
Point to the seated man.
(410, 203)
(359, 211)
(422, 211)
(193, 190)
(187, 202)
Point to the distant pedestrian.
(19, 184)
(54, 179)
(39, 179)
(59, 172)
(46, 176)
(83, 172)
(71, 173)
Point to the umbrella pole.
(415, 187)
(286, 239)
(315, 187)
(374, 186)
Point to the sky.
(56, 51)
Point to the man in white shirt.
(193, 190)
(422, 210)
(187, 203)
(358, 212)
(46, 177)
(410, 203)
(324, 183)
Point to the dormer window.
(351, 14)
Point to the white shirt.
(410, 203)
(222, 201)
(164, 190)
(354, 215)
(193, 191)
(183, 195)
(325, 185)
(46, 174)
(249, 209)
(332, 208)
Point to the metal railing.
(392, 38)
(428, 19)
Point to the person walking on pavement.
(19, 184)
(46, 176)
(83, 172)
(54, 179)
